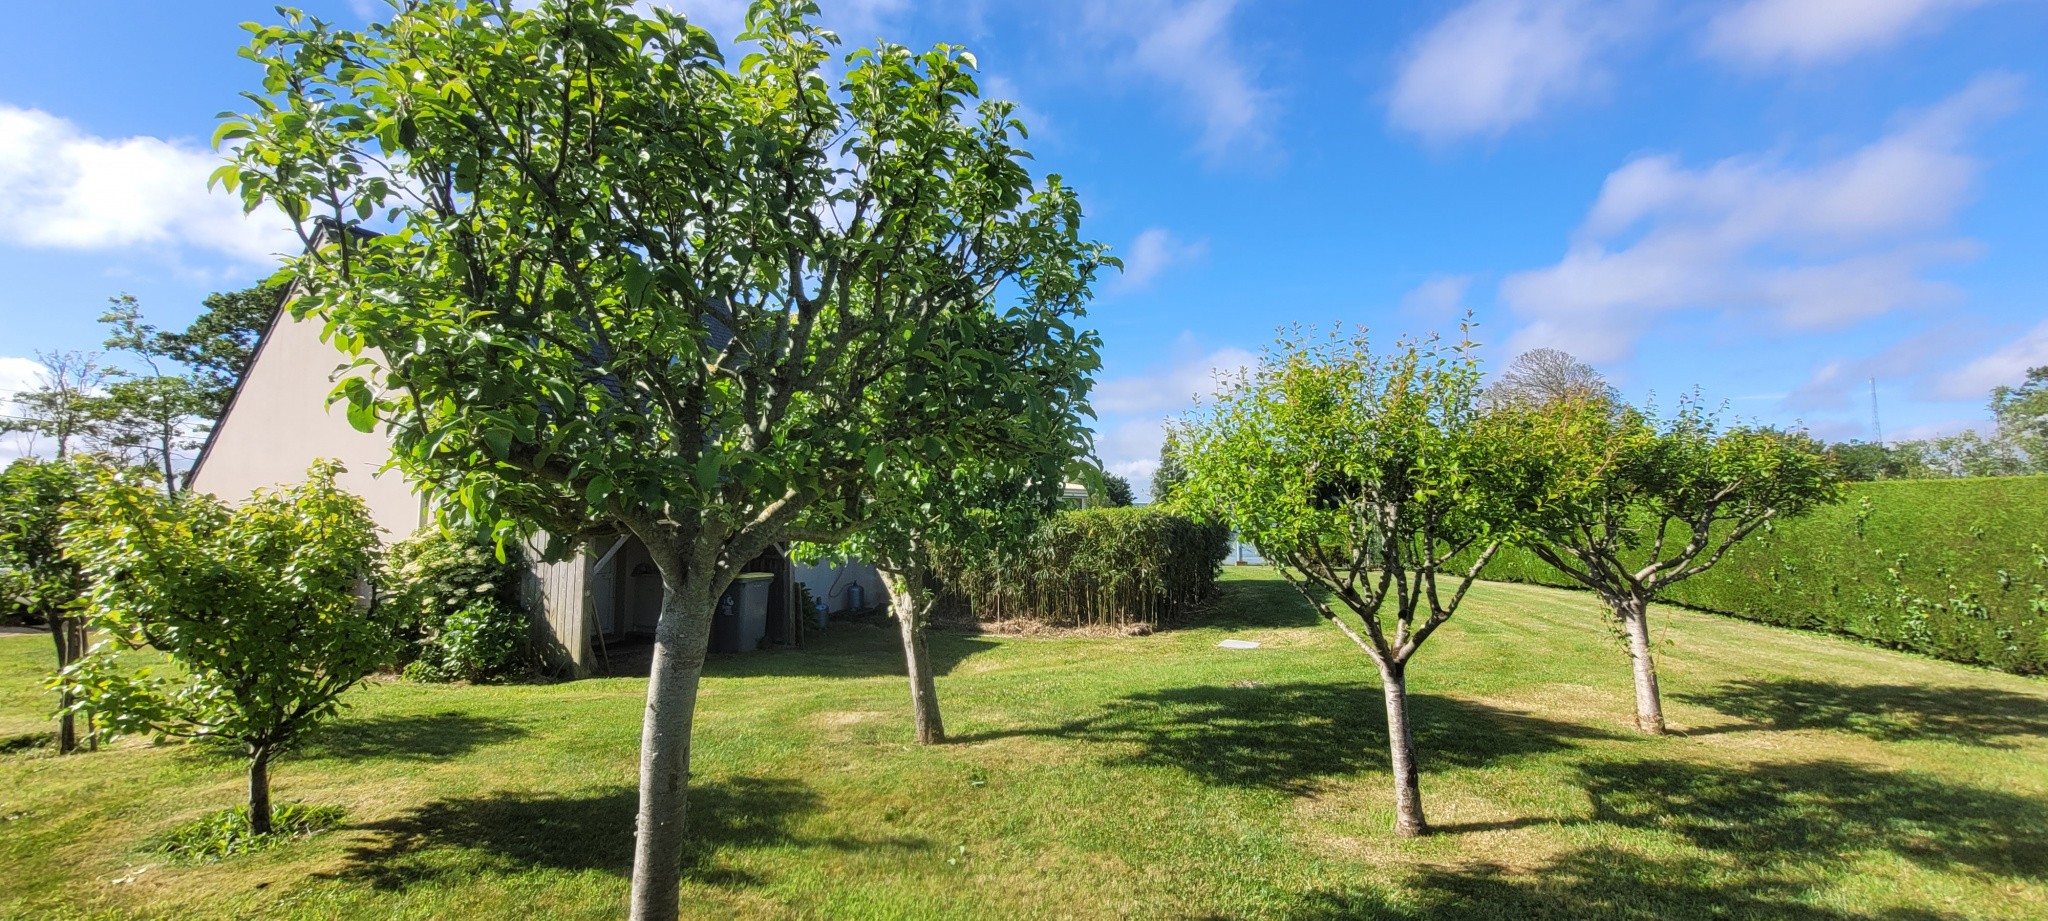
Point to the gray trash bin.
(742, 621)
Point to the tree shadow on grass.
(1760, 842)
(411, 736)
(1290, 737)
(511, 833)
(1814, 813)
(1593, 884)
(849, 650)
(1884, 712)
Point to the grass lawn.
(1145, 777)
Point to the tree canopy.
(622, 282)
(1371, 480)
(260, 607)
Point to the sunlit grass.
(1143, 777)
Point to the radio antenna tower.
(1875, 426)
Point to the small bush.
(482, 641)
(458, 606)
(223, 834)
(1096, 567)
(434, 574)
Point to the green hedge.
(1094, 567)
(1951, 568)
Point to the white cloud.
(62, 188)
(1154, 251)
(1767, 32)
(1438, 298)
(2005, 366)
(1493, 64)
(1173, 386)
(1188, 46)
(1811, 247)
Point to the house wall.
(558, 598)
(828, 583)
(278, 425)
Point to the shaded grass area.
(1145, 777)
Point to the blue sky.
(1772, 200)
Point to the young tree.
(34, 573)
(1171, 472)
(69, 409)
(629, 287)
(1023, 412)
(1643, 504)
(1362, 477)
(260, 606)
(218, 344)
(149, 413)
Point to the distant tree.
(1116, 491)
(2022, 416)
(1642, 504)
(35, 576)
(1372, 483)
(1171, 472)
(218, 344)
(69, 408)
(150, 413)
(259, 606)
(1541, 376)
(634, 286)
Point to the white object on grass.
(1238, 644)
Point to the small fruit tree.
(262, 608)
(1642, 504)
(1362, 476)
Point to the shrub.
(436, 578)
(1954, 569)
(1094, 567)
(482, 641)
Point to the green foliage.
(259, 606)
(1093, 567)
(227, 833)
(36, 580)
(436, 573)
(1116, 491)
(1949, 568)
(1362, 473)
(218, 344)
(484, 640)
(1171, 472)
(1642, 503)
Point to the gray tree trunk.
(907, 600)
(259, 793)
(680, 638)
(1408, 819)
(1635, 619)
(65, 637)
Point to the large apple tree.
(622, 282)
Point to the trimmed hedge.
(1954, 569)
(1094, 567)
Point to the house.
(589, 611)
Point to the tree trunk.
(1408, 820)
(680, 638)
(259, 793)
(1635, 618)
(907, 600)
(67, 726)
